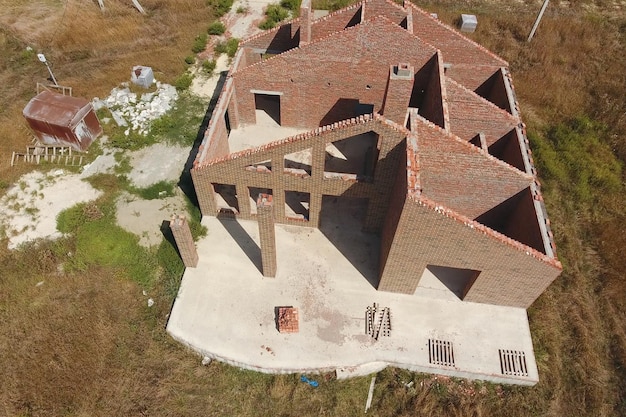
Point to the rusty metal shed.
(62, 120)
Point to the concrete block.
(468, 23)
(142, 76)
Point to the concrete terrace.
(265, 130)
(225, 308)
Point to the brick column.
(398, 94)
(184, 240)
(267, 234)
(306, 17)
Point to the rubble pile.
(137, 112)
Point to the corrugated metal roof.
(56, 109)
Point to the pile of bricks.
(287, 320)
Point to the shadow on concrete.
(242, 238)
(457, 280)
(341, 221)
(184, 182)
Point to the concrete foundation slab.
(225, 310)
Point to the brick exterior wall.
(184, 241)
(435, 104)
(511, 274)
(232, 170)
(428, 184)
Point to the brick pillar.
(409, 19)
(398, 94)
(306, 17)
(267, 234)
(184, 240)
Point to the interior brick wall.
(434, 105)
(463, 177)
(471, 114)
(386, 8)
(317, 75)
(336, 22)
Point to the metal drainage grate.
(440, 352)
(513, 362)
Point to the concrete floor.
(225, 308)
(265, 130)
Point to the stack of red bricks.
(288, 320)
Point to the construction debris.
(136, 112)
(377, 321)
(287, 320)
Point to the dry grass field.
(84, 343)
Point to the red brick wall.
(330, 75)
(390, 10)
(510, 274)
(232, 170)
(397, 96)
(396, 203)
(434, 105)
(461, 177)
(279, 39)
(336, 21)
(456, 48)
(494, 90)
(471, 114)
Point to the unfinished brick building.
(395, 111)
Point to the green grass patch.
(183, 82)
(229, 47)
(101, 242)
(209, 65)
(575, 157)
(199, 43)
(331, 5)
(216, 28)
(220, 7)
(161, 189)
(274, 14)
(180, 125)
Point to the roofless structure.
(379, 123)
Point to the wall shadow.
(341, 221)
(243, 239)
(184, 182)
(346, 108)
(166, 231)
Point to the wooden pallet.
(61, 155)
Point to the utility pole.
(543, 9)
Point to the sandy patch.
(29, 209)
(145, 217)
(244, 25)
(159, 162)
(204, 86)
